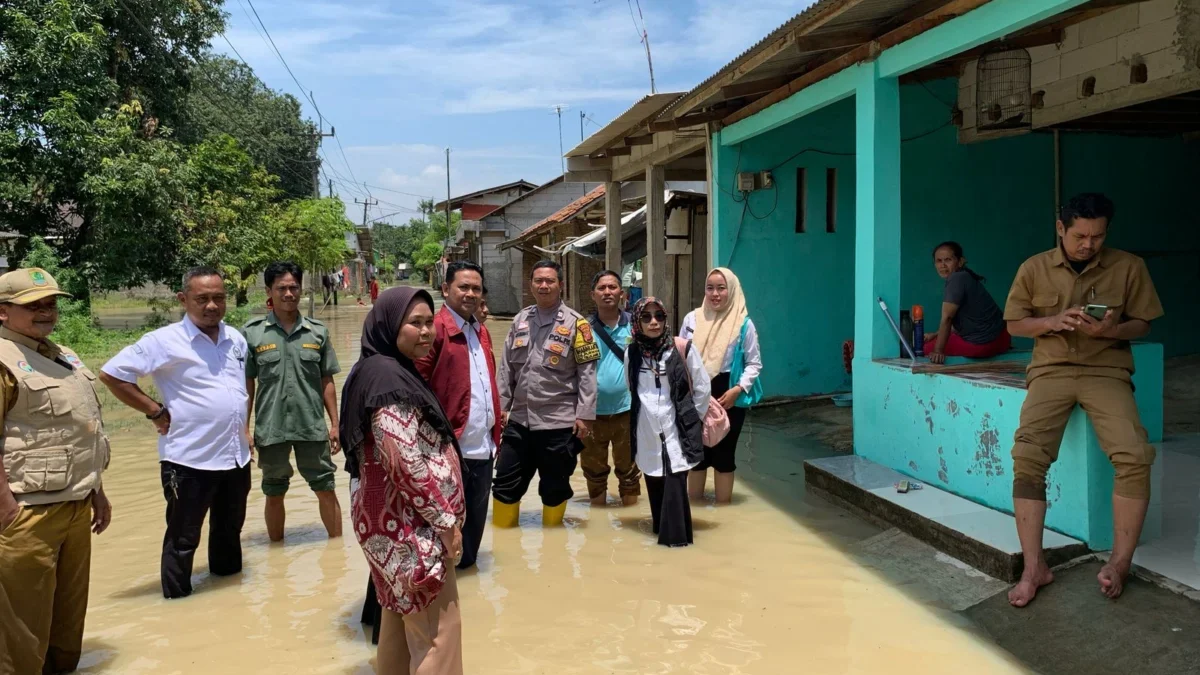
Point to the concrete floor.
(1069, 630)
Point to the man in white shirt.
(199, 365)
(461, 370)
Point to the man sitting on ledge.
(1081, 359)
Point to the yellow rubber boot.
(552, 516)
(505, 515)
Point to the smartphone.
(1097, 312)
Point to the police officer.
(548, 395)
(51, 497)
(292, 362)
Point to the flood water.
(766, 589)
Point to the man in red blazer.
(461, 370)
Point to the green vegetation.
(139, 153)
(419, 243)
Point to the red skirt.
(956, 346)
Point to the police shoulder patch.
(585, 347)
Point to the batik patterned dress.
(410, 489)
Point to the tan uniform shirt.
(548, 374)
(1047, 285)
(8, 381)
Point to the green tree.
(314, 232)
(75, 76)
(228, 98)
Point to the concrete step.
(980, 536)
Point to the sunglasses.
(657, 316)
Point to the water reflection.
(762, 591)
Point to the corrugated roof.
(457, 202)
(558, 217)
(822, 18)
(645, 109)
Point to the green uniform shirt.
(288, 404)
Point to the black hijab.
(383, 376)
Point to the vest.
(54, 446)
(687, 419)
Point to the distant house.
(485, 227)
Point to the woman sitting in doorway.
(972, 324)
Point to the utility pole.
(582, 117)
(447, 196)
(558, 110)
(367, 203)
(316, 137)
(330, 187)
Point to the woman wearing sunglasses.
(728, 342)
(670, 398)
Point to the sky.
(402, 81)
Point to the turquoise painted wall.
(799, 287)
(957, 434)
(996, 198)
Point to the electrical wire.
(303, 90)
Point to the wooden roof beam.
(631, 141)
(695, 119)
(942, 14)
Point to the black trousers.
(191, 494)
(721, 456)
(477, 487)
(670, 511)
(549, 453)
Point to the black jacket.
(687, 419)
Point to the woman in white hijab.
(721, 330)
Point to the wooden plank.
(688, 120)
(631, 141)
(952, 67)
(634, 169)
(939, 16)
(756, 87)
(752, 61)
(832, 40)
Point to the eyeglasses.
(657, 316)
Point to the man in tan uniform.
(54, 450)
(1079, 359)
(548, 396)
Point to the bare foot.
(1031, 580)
(1112, 578)
(629, 500)
(602, 500)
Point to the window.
(801, 199)
(831, 200)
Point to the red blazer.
(447, 369)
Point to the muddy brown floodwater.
(766, 589)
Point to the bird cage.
(1002, 97)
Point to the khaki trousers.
(608, 429)
(1106, 395)
(433, 636)
(45, 560)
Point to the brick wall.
(1159, 34)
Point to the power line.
(283, 60)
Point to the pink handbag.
(716, 420)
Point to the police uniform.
(289, 406)
(547, 382)
(54, 451)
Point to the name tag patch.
(265, 348)
(310, 345)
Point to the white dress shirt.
(656, 418)
(203, 386)
(476, 440)
(753, 354)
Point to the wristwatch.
(162, 410)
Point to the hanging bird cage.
(1002, 97)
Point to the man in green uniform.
(293, 362)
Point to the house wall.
(995, 198)
(1163, 35)
(507, 280)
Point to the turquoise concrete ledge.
(957, 433)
